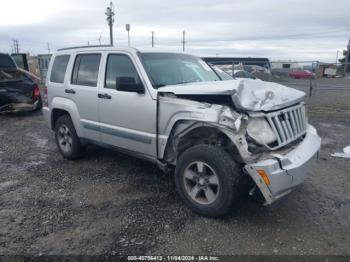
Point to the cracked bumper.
(18, 107)
(286, 171)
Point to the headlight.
(259, 130)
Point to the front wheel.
(207, 180)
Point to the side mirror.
(129, 84)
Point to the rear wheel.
(67, 139)
(207, 180)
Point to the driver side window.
(119, 65)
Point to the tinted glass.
(85, 70)
(119, 66)
(20, 60)
(6, 61)
(59, 68)
(173, 69)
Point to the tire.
(67, 139)
(39, 106)
(213, 162)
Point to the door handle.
(70, 91)
(104, 96)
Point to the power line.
(271, 37)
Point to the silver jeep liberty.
(175, 110)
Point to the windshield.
(174, 69)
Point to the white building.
(284, 65)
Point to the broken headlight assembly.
(260, 131)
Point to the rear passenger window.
(85, 71)
(59, 67)
(119, 66)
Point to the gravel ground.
(109, 203)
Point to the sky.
(298, 30)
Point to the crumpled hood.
(247, 94)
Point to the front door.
(127, 119)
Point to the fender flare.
(72, 109)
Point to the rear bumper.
(18, 107)
(286, 171)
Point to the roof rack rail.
(87, 46)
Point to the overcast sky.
(277, 29)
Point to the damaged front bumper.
(284, 172)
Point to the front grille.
(288, 124)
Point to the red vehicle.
(300, 74)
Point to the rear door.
(127, 119)
(82, 89)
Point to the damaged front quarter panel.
(179, 117)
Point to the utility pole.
(110, 20)
(152, 39)
(99, 39)
(127, 28)
(48, 48)
(336, 58)
(347, 58)
(183, 41)
(15, 46)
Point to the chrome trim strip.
(119, 133)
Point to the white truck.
(175, 110)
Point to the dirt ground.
(109, 203)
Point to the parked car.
(172, 109)
(243, 74)
(221, 73)
(301, 74)
(19, 90)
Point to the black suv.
(18, 89)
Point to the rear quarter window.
(59, 68)
(6, 61)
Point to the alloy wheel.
(201, 183)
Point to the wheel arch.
(61, 106)
(186, 134)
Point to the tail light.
(36, 93)
(45, 100)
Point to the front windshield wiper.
(188, 82)
(159, 85)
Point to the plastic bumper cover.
(18, 107)
(286, 171)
